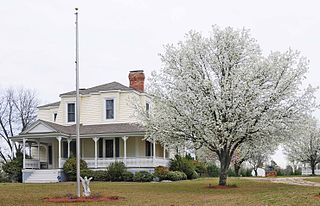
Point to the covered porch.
(98, 152)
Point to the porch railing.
(31, 164)
(129, 162)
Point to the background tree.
(220, 92)
(304, 143)
(17, 111)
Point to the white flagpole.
(77, 106)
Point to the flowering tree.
(220, 92)
(304, 144)
(256, 153)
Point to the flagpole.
(77, 106)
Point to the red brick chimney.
(136, 79)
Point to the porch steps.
(43, 176)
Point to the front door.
(109, 147)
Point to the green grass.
(193, 192)
(313, 179)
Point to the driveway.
(287, 180)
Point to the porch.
(98, 152)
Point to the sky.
(37, 37)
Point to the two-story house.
(108, 132)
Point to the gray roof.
(54, 104)
(104, 87)
(94, 129)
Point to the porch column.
(164, 152)
(30, 144)
(125, 149)
(38, 153)
(69, 140)
(24, 152)
(96, 139)
(154, 149)
(59, 151)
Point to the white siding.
(92, 108)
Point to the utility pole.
(77, 105)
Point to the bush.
(3, 177)
(98, 175)
(176, 176)
(213, 170)
(116, 171)
(231, 173)
(183, 164)
(101, 175)
(246, 172)
(200, 167)
(142, 176)
(70, 168)
(13, 169)
(127, 176)
(161, 172)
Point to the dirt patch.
(220, 187)
(74, 199)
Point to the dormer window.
(147, 109)
(110, 109)
(71, 113)
(55, 116)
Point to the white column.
(24, 152)
(96, 139)
(154, 149)
(38, 153)
(125, 149)
(30, 144)
(59, 151)
(69, 140)
(164, 152)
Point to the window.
(149, 149)
(147, 109)
(109, 109)
(55, 116)
(71, 112)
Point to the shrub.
(116, 171)
(246, 172)
(176, 176)
(70, 168)
(213, 170)
(101, 175)
(231, 173)
(183, 164)
(98, 175)
(161, 172)
(3, 177)
(13, 169)
(127, 176)
(200, 167)
(142, 176)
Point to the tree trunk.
(313, 167)
(255, 172)
(224, 166)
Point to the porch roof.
(53, 129)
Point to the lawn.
(193, 192)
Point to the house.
(108, 132)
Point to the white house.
(108, 132)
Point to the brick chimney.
(136, 79)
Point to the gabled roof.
(54, 104)
(101, 88)
(86, 129)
